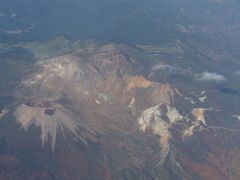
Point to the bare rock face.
(97, 97)
(49, 120)
(90, 111)
(102, 82)
(153, 118)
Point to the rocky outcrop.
(63, 88)
(50, 119)
(160, 123)
(93, 100)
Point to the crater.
(49, 112)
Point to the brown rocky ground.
(91, 114)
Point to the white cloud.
(237, 73)
(164, 67)
(13, 15)
(208, 76)
(16, 31)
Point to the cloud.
(211, 77)
(237, 73)
(164, 67)
(13, 15)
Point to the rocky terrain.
(126, 89)
(91, 110)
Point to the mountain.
(126, 89)
(97, 110)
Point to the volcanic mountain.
(97, 112)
